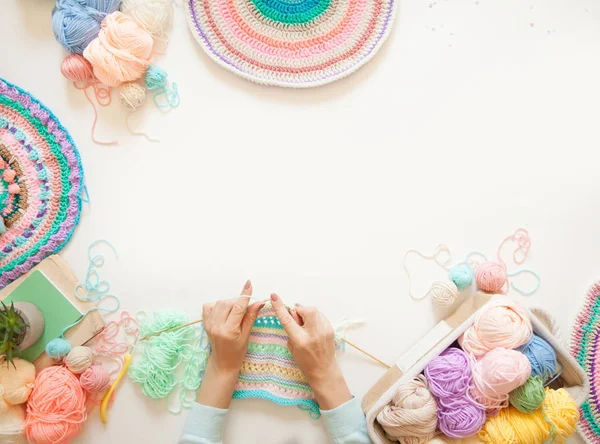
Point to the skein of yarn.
(500, 323)
(121, 52)
(11, 425)
(75, 23)
(155, 16)
(497, 374)
(411, 418)
(542, 357)
(95, 379)
(56, 407)
(491, 277)
(16, 382)
(511, 425)
(528, 397)
(58, 349)
(79, 359)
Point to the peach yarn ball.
(121, 52)
(491, 277)
(17, 383)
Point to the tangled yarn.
(95, 379)
(76, 23)
(498, 324)
(56, 407)
(449, 377)
(16, 382)
(528, 397)
(411, 418)
(497, 374)
(156, 80)
(556, 419)
(491, 277)
(170, 361)
(155, 16)
(79, 359)
(542, 357)
(58, 349)
(462, 276)
(121, 52)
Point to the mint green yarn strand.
(532, 273)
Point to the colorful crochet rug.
(585, 347)
(293, 43)
(269, 371)
(40, 185)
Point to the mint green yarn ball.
(530, 396)
(58, 349)
(155, 77)
(462, 276)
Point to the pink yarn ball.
(491, 276)
(95, 379)
(9, 175)
(77, 69)
(122, 51)
(13, 188)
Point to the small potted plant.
(21, 325)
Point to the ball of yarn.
(542, 357)
(559, 415)
(75, 23)
(155, 16)
(497, 374)
(121, 52)
(500, 323)
(56, 408)
(528, 397)
(77, 69)
(444, 294)
(11, 424)
(79, 359)
(462, 276)
(460, 418)
(17, 381)
(449, 374)
(95, 379)
(411, 418)
(491, 276)
(58, 349)
(132, 95)
(155, 77)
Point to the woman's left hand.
(227, 324)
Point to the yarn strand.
(93, 131)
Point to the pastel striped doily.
(41, 183)
(585, 347)
(293, 43)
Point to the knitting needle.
(171, 329)
(365, 352)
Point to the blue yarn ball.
(76, 23)
(58, 349)
(542, 357)
(155, 77)
(462, 276)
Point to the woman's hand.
(227, 324)
(312, 344)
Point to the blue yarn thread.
(542, 357)
(520, 290)
(75, 23)
(462, 276)
(85, 196)
(156, 80)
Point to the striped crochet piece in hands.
(585, 347)
(291, 43)
(269, 370)
(41, 183)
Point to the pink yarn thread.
(107, 343)
(56, 407)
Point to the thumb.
(250, 317)
(290, 326)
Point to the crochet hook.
(113, 387)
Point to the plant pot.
(34, 319)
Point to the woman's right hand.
(312, 344)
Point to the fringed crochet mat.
(584, 347)
(298, 43)
(40, 183)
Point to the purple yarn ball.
(449, 374)
(460, 417)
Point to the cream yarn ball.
(132, 95)
(79, 359)
(11, 425)
(16, 384)
(155, 16)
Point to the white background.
(458, 136)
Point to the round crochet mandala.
(40, 185)
(585, 347)
(293, 43)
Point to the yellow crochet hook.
(108, 395)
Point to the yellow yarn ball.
(79, 359)
(16, 383)
(515, 427)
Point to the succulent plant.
(12, 332)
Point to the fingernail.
(247, 286)
(274, 297)
(296, 304)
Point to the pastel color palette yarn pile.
(269, 370)
(299, 43)
(50, 179)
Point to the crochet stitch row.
(50, 176)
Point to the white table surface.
(456, 135)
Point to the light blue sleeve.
(346, 424)
(204, 425)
